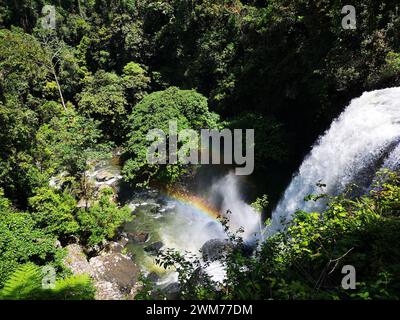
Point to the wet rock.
(84, 203)
(106, 290)
(104, 176)
(215, 249)
(153, 277)
(172, 291)
(154, 247)
(138, 237)
(116, 268)
(123, 241)
(112, 247)
(58, 181)
(76, 260)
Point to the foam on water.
(364, 138)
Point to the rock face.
(117, 269)
(108, 291)
(172, 291)
(138, 237)
(215, 249)
(76, 260)
(154, 247)
(84, 203)
(114, 274)
(104, 176)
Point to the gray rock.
(104, 176)
(172, 291)
(138, 237)
(117, 269)
(153, 277)
(76, 260)
(107, 291)
(123, 241)
(215, 249)
(154, 247)
(112, 247)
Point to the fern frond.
(24, 283)
(77, 287)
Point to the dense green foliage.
(26, 284)
(287, 63)
(101, 220)
(190, 111)
(305, 259)
(21, 241)
(112, 70)
(54, 212)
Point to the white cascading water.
(242, 214)
(191, 229)
(364, 137)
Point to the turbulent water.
(363, 139)
(185, 227)
(192, 228)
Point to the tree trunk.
(59, 88)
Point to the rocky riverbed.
(159, 222)
(115, 266)
(114, 274)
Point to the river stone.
(76, 260)
(112, 247)
(84, 203)
(153, 277)
(215, 249)
(154, 247)
(139, 237)
(117, 269)
(104, 176)
(123, 241)
(106, 290)
(172, 291)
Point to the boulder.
(112, 247)
(117, 269)
(172, 291)
(154, 247)
(138, 237)
(215, 249)
(123, 241)
(104, 176)
(106, 290)
(76, 260)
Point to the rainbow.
(194, 201)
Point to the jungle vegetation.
(111, 69)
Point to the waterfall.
(191, 228)
(363, 139)
(187, 222)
